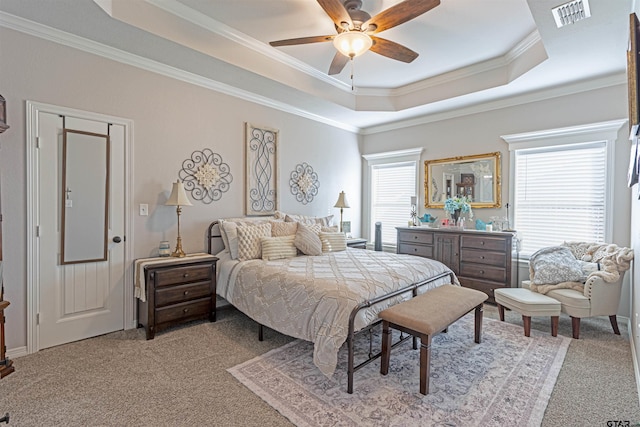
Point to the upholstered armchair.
(588, 283)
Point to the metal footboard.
(352, 318)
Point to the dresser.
(177, 291)
(481, 260)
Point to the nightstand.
(176, 290)
(357, 243)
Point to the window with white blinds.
(560, 195)
(392, 186)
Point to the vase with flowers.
(456, 206)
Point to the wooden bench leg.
(554, 325)
(501, 312)
(478, 323)
(527, 325)
(425, 363)
(386, 348)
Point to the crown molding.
(67, 39)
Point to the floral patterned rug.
(507, 379)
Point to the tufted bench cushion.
(426, 315)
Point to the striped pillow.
(307, 240)
(333, 242)
(278, 247)
(249, 236)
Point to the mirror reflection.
(476, 176)
(85, 196)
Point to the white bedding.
(311, 297)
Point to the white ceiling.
(470, 51)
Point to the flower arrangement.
(463, 204)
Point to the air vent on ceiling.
(571, 12)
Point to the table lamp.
(178, 198)
(342, 204)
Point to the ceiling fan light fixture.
(352, 43)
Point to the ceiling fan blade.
(302, 40)
(400, 13)
(392, 50)
(338, 63)
(336, 11)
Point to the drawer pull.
(482, 243)
(185, 275)
(481, 256)
(186, 292)
(186, 310)
(481, 271)
(415, 237)
(415, 249)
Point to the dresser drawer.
(415, 237)
(476, 256)
(193, 273)
(483, 272)
(181, 293)
(419, 250)
(185, 310)
(485, 243)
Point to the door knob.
(117, 239)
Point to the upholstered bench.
(528, 304)
(425, 316)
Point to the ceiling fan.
(356, 29)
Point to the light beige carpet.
(506, 379)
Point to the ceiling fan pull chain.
(351, 60)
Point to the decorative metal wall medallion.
(205, 176)
(304, 183)
(261, 195)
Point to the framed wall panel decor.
(633, 57)
(261, 170)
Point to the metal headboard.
(214, 238)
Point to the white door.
(78, 300)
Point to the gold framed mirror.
(476, 176)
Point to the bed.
(324, 299)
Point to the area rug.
(507, 379)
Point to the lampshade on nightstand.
(342, 204)
(178, 198)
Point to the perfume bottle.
(164, 249)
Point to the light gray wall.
(481, 133)
(171, 120)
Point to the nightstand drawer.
(416, 237)
(483, 257)
(419, 250)
(195, 273)
(186, 310)
(181, 293)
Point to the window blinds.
(560, 195)
(392, 186)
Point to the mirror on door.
(85, 196)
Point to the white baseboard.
(634, 357)
(14, 353)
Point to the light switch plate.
(144, 209)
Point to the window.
(392, 180)
(561, 183)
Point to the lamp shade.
(178, 196)
(352, 43)
(342, 201)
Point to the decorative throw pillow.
(332, 229)
(588, 268)
(249, 237)
(333, 242)
(278, 247)
(229, 227)
(308, 220)
(307, 240)
(553, 265)
(279, 228)
(279, 215)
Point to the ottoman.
(528, 304)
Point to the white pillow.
(228, 230)
(333, 242)
(278, 247)
(308, 220)
(249, 238)
(307, 239)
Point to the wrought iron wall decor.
(206, 176)
(304, 183)
(261, 169)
